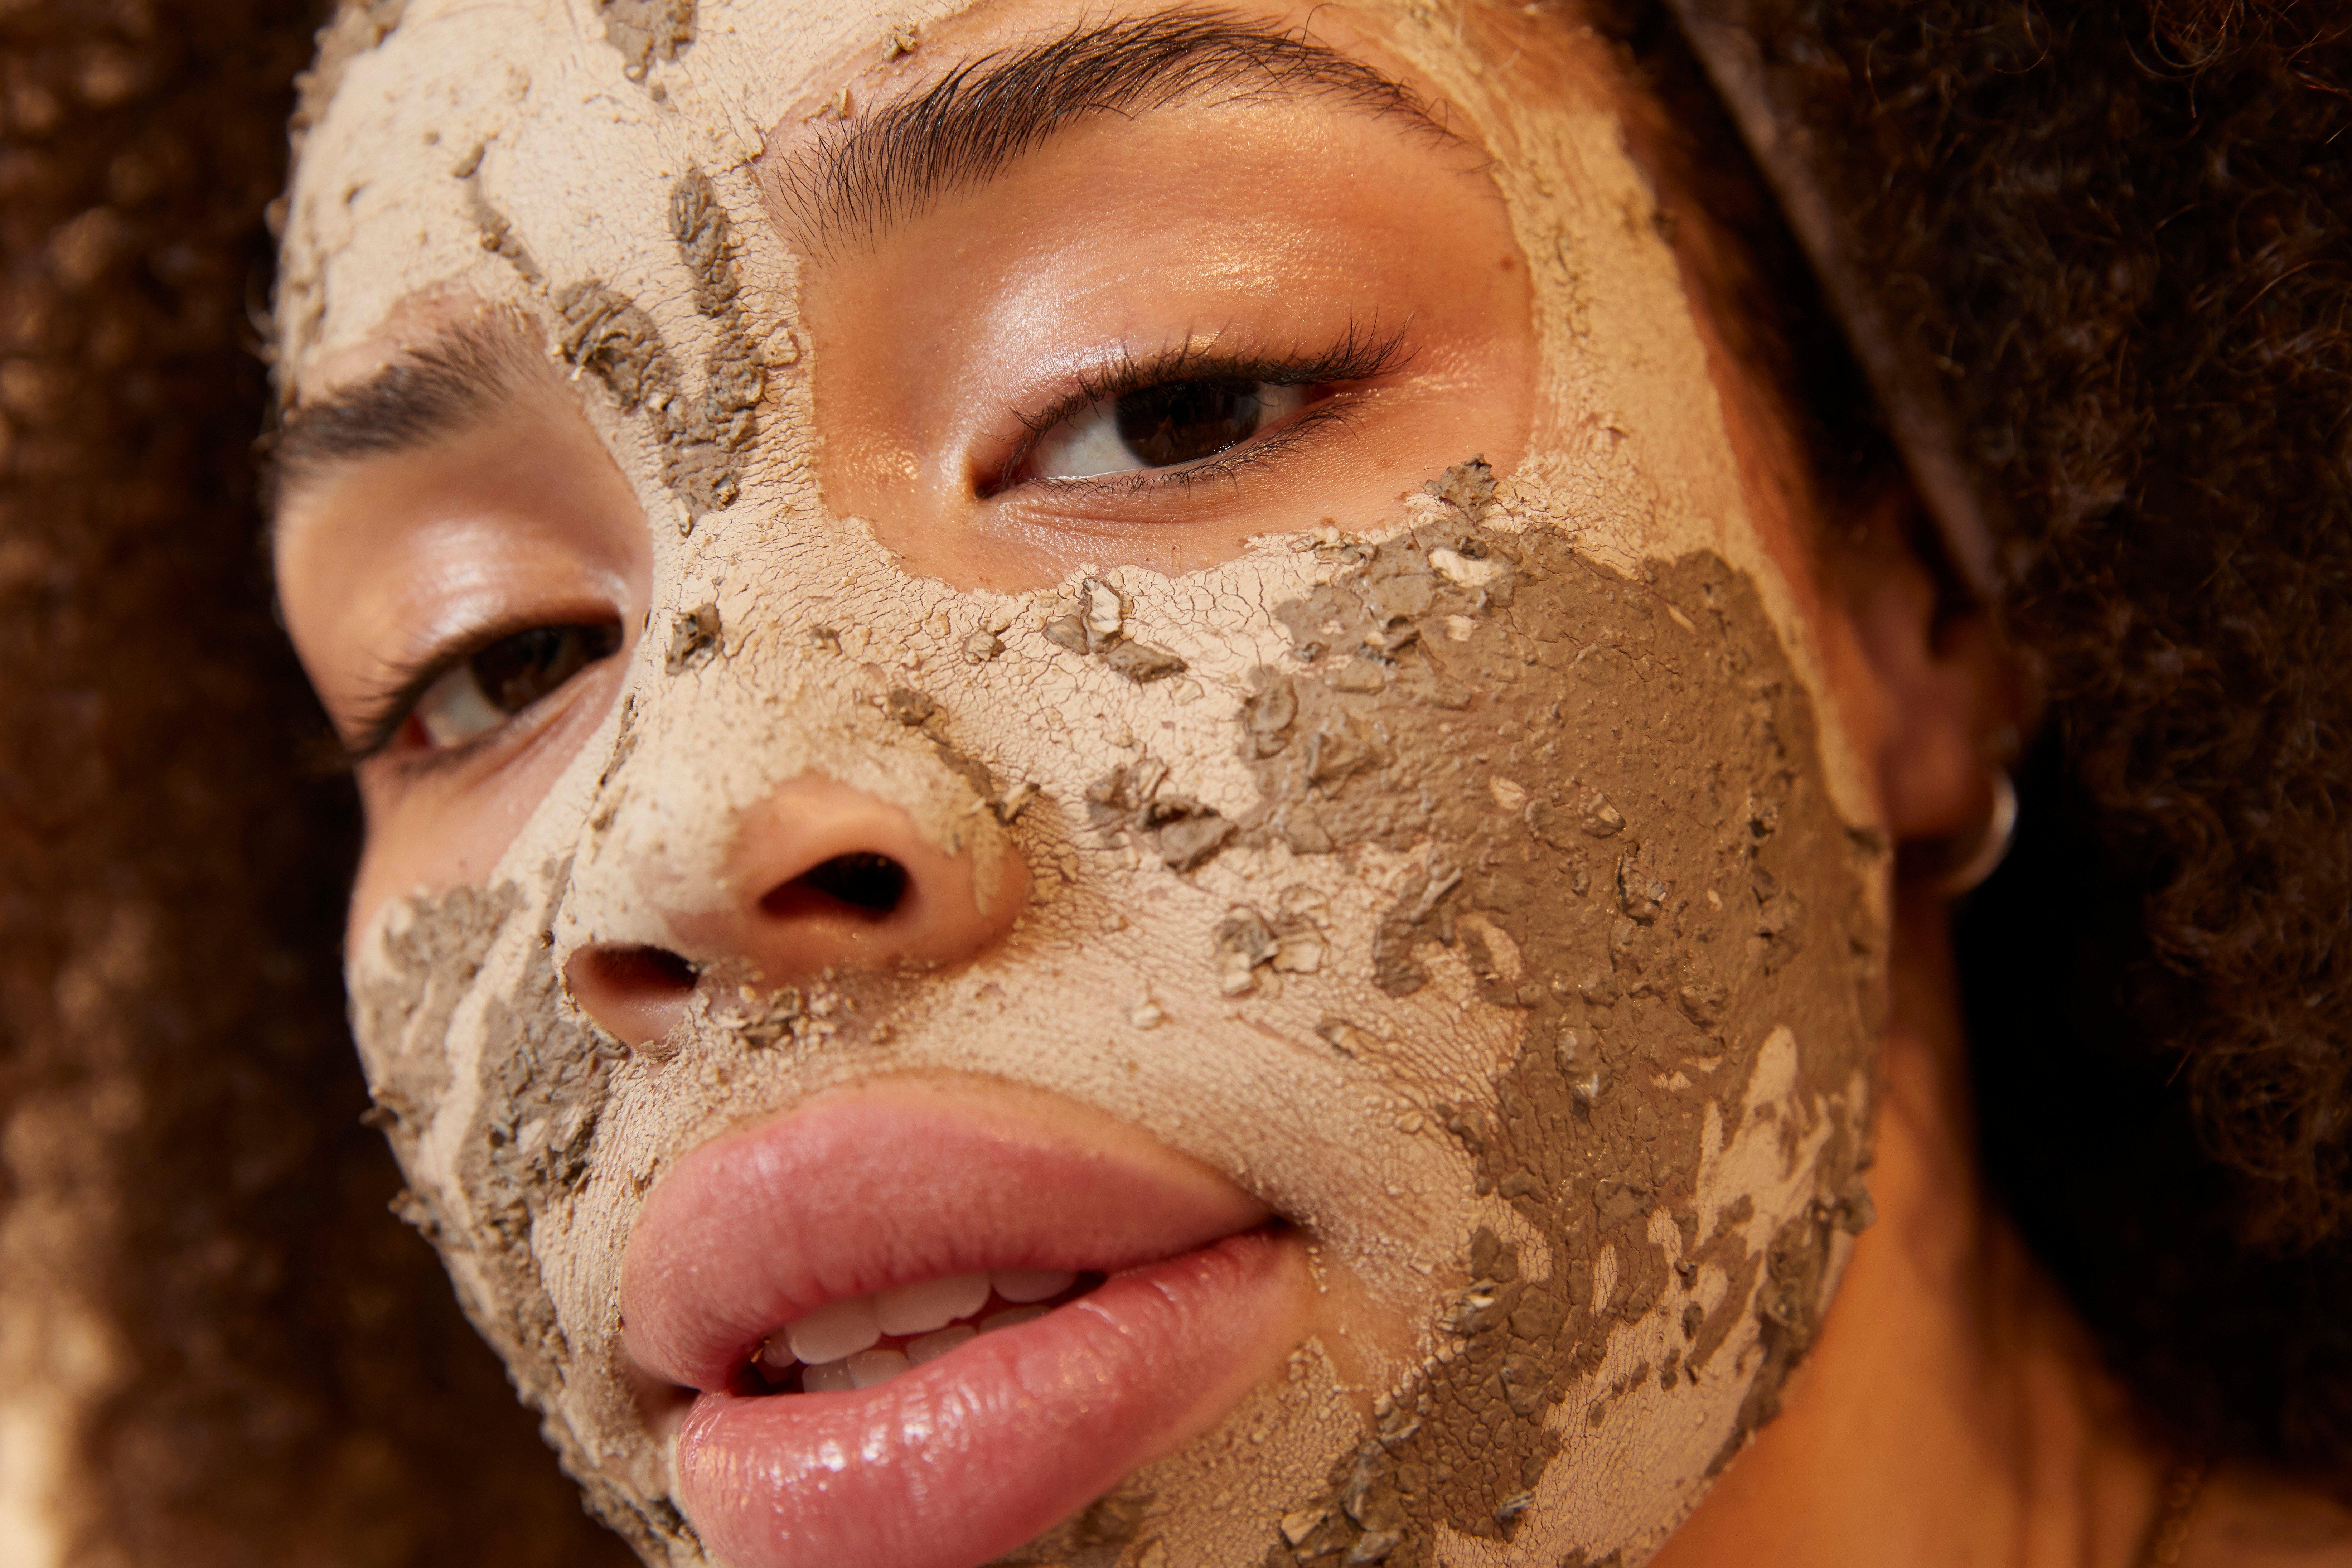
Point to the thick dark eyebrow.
(441, 388)
(868, 173)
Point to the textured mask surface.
(1481, 882)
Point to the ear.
(1949, 687)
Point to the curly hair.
(263, 1365)
(2117, 242)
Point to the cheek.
(1604, 799)
(430, 831)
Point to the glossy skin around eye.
(398, 562)
(1290, 232)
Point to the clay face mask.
(1100, 831)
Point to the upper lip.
(868, 1189)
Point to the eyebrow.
(440, 388)
(863, 176)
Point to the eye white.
(456, 708)
(1085, 443)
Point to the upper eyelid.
(1359, 350)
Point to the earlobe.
(1944, 678)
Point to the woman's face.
(1134, 662)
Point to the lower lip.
(968, 1457)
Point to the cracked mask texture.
(1484, 884)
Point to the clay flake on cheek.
(1486, 779)
(464, 980)
(1613, 786)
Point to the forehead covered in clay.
(1468, 877)
(593, 171)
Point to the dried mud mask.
(1476, 881)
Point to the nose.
(821, 876)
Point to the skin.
(1118, 262)
(657, 798)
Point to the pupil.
(1185, 421)
(517, 671)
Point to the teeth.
(833, 1378)
(1026, 1285)
(837, 1340)
(834, 1331)
(933, 1304)
(930, 1347)
(1011, 1316)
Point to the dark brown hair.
(267, 1366)
(2119, 239)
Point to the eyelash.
(1361, 355)
(385, 715)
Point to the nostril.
(638, 992)
(868, 885)
(634, 969)
(872, 882)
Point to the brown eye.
(496, 683)
(1164, 425)
(1161, 426)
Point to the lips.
(960, 1457)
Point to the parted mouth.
(868, 1214)
(863, 1340)
(999, 1310)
